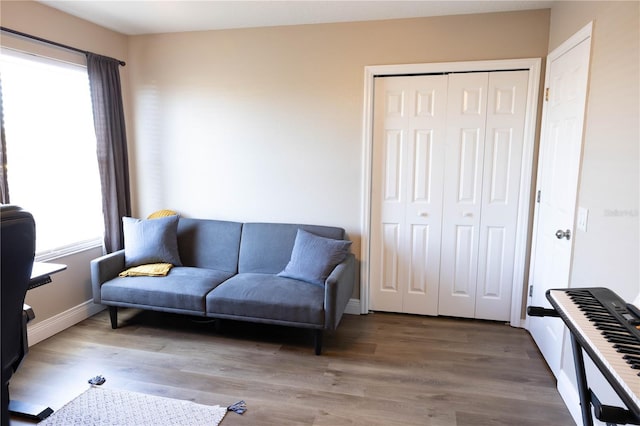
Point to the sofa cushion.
(150, 241)
(268, 296)
(183, 288)
(266, 247)
(313, 257)
(212, 244)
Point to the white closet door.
(506, 106)
(466, 118)
(408, 152)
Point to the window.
(52, 167)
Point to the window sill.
(59, 252)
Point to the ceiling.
(161, 16)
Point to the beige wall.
(71, 288)
(266, 124)
(608, 254)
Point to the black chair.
(17, 248)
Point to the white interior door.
(466, 121)
(408, 152)
(485, 139)
(558, 173)
(504, 142)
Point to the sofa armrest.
(103, 269)
(338, 290)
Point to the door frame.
(533, 65)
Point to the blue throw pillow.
(150, 241)
(314, 257)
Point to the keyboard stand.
(581, 377)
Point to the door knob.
(424, 214)
(560, 234)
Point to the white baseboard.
(569, 394)
(353, 307)
(50, 326)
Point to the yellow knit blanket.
(150, 270)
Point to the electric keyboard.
(608, 330)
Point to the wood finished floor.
(377, 369)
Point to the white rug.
(102, 406)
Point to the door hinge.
(530, 291)
(546, 94)
(538, 196)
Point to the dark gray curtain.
(113, 162)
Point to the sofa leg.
(317, 335)
(113, 315)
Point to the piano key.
(609, 327)
(619, 338)
(626, 349)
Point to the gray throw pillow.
(150, 241)
(314, 257)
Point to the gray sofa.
(233, 270)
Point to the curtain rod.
(44, 40)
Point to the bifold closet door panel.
(407, 171)
(485, 136)
(506, 107)
(462, 200)
(447, 158)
